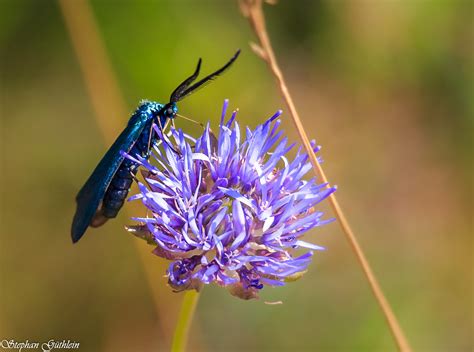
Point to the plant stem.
(181, 332)
(252, 9)
(108, 105)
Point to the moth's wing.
(93, 191)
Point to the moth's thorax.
(145, 111)
(151, 109)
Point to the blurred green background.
(384, 86)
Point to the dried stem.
(108, 105)
(252, 9)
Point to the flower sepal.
(239, 291)
(295, 276)
(141, 231)
(193, 284)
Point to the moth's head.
(169, 111)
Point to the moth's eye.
(169, 111)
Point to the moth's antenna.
(187, 91)
(176, 95)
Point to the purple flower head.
(230, 209)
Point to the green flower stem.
(181, 332)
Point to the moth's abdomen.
(118, 190)
(119, 187)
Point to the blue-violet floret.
(229, 209)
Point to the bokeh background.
(384, 86)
